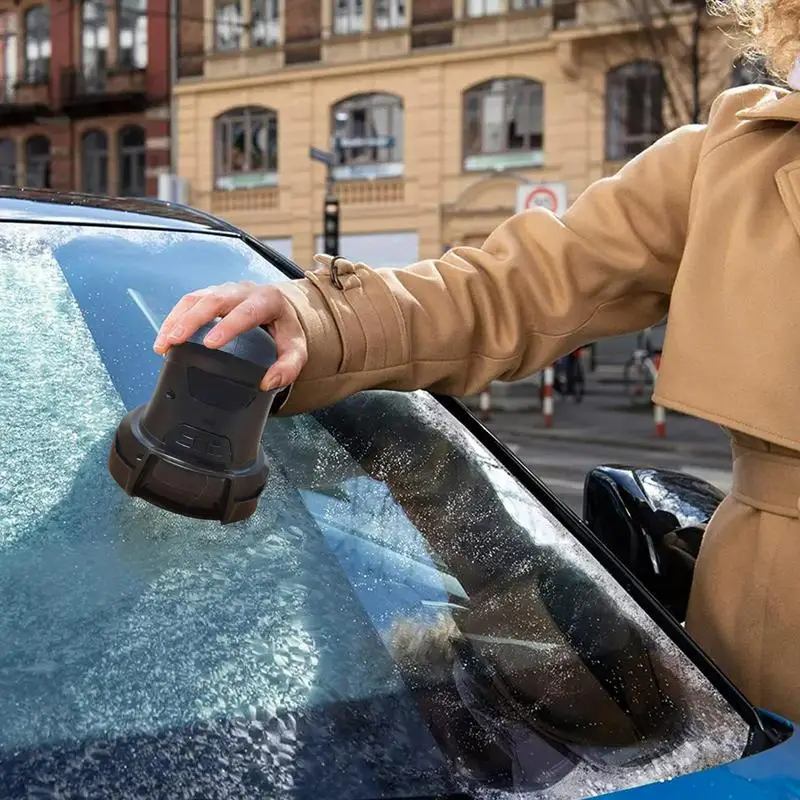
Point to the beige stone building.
(441, 109)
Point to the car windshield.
(399, 618)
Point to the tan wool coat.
(705, 225)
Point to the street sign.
(552, 196)
(330, 226)
(323, 156)
(365, 141)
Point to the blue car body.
(772, 775)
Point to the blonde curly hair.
(771, 27)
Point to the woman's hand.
(242, 306)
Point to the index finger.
(259, 308)
(186, 303)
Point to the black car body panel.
(74, 208)
(653, 521)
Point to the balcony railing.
(114, 89)
(128, 81)
(35, 95)
(22, 100)
(8, 91)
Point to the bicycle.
(641, 369)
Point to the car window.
(400, 616)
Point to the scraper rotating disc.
(195, 447)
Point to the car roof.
(44, 205)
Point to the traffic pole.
(547, 396)
(659, 412)
(485, 405)
(660, 419)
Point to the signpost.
(331, 158)
(330, 209)
(365, 141)
(323, 156)
(552, 196)
(331, 226)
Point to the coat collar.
(776, 104)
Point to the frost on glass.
(399, 617)
(701, 731)
(46, 428)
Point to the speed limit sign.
(552, 196)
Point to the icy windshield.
(399, 618)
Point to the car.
(410, 612)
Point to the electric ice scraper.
(195, 447)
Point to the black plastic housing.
(653, 520)
(195, 447)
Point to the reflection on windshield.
(399, 617)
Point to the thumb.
(323, 259)
(284, 371)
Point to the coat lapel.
(787, 179)
(776, 105)
(784, 106)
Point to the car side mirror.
(653, 521)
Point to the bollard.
(485, 405)
(660, 418)
(659, 412)
(547, 396)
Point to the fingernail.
(176, 332)
(273, 383)
(159, 342)
(213, 337)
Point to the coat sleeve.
(538, 288)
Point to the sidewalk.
(605, 416)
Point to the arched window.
(94, 162)
(37, 44)
(746, 71)
(246, 148)
(634, 100)
(368, 131)
(94, 44)
(132, 154)
(132, 34)
(8, 162)
(37, 162)
(504, 124)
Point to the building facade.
(441, 109)
(85, 94)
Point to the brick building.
(84, 94)
(445, 108)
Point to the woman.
(707, 222)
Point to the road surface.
(563, 465)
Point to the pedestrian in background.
(705, 223)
